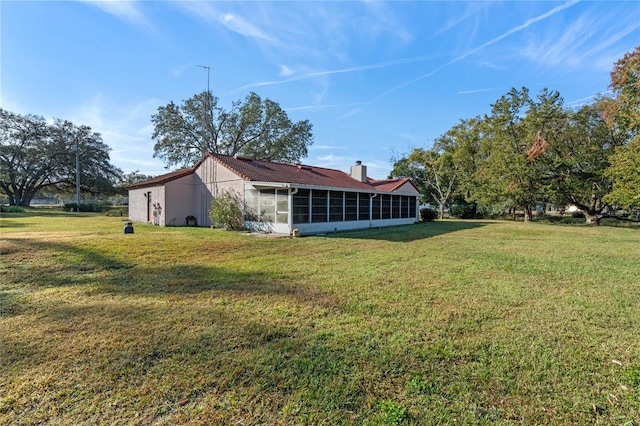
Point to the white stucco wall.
(138, 199)
(138, 205)
(178, 203)
(209, 179)
(406, 189)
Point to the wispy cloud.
(471, 10)
(178, 70)
(317, 107)
(329, 147)
(231, 20)
(492, 65)
(354, 111)
(285, 71)
(126, 129)
(580, 43)
(240, 25)
(380, 18)
(468, 92)
(127, 10)
(491, 42)
(581, 101)
(316, 74)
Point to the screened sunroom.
(317, 210)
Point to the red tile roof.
(390, 185)
(267, 171)
(163, 178)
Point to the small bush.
(73, 207)
(577, 215)
(100, 207)
(226, 211)
(572, 220)
(428, 215)
(11, 209)
(464, 210)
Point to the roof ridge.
(244, 158)
(164, 178)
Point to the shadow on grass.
(4, 223)
(37, 264)
(40, 212)
(407, 233)
(178, 355)
(177, 280)
(67, 256)
(13, 220)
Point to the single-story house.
(278, 198)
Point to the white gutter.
(263, 185)
(371, 197)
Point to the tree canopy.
(625, 114)
(254, 128)
(528, 152)
(36, 154)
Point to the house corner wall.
(140, 210)
(178, 201)
(210, 179)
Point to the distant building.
(278, 198)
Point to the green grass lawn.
(469, 322)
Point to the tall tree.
(513, 159)
(624, 114)
(433, 171)
(624, 171)
(440, 172)
(133, 177)
(35, 155)
(580, 158)
(625, 83)
(463, 142)
(254, 128)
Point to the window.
(282, 206)
(395, 206)
(319, 205)
(251, 198)
(386, 206)
(336, 206)
(363, 207)
(375, 207)
(404, 206)
(350, 206)
(412, 207)
(301, 206)
(268, 205)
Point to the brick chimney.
(359, 172)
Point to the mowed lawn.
(468, 322)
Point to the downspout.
(371, 197)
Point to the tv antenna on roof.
(208, 68)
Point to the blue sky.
(375, 79)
